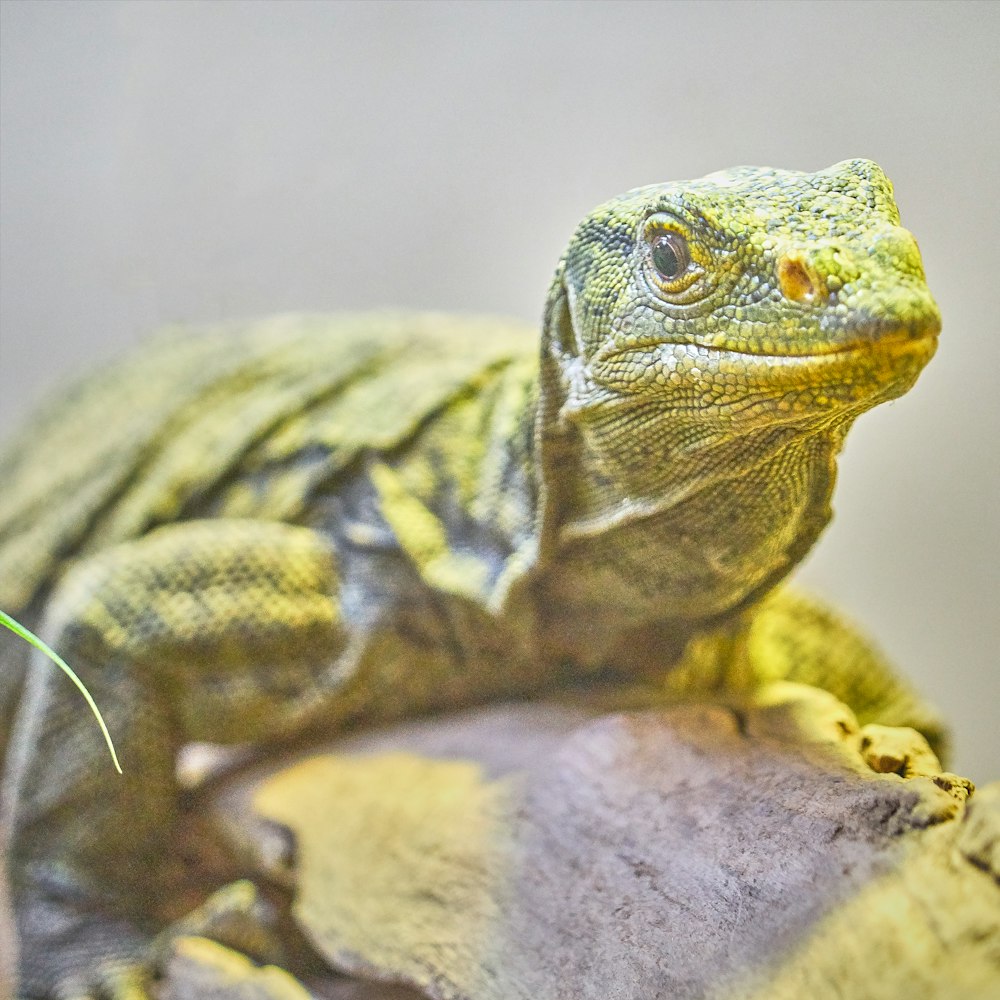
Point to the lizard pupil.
(670, 256)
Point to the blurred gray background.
(191, 161)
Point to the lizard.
(243, 532)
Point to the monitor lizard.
(243, 532)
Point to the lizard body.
(310, 522)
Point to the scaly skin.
(238, 534)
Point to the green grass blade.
(18, 629)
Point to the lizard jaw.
(704, 377)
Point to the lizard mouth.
(871, 365)
(865, 332)
(842, 351)
(850, 339)
(849, 370)
(875, 345)
(861, 335)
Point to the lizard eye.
(672, 265)
(670, 256)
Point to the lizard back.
(146, 441)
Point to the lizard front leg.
(793, 636)
(224, 631)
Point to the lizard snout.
(873, 292)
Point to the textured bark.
(550, 852)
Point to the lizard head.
(751, 297)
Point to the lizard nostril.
(796, 279)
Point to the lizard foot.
(110, 960)
(897, 750)
(808, 715)
(234, 915)
(903, 751)
(113, 981)
(195, 968)
(201, 969)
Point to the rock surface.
(552, 851)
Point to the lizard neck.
(708, 533)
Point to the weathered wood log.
(551, 851)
